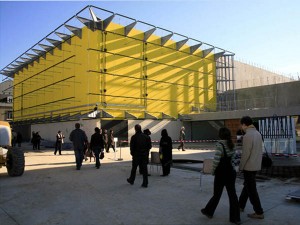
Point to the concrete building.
(247, 76)
(6, 100)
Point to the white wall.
(48, 131)
(156, 126)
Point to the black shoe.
(236, 222)
(205, 213)
(130, 182)
(183, 150)
(164, 175)
(77, 168)
(144, 185)
(97, 167)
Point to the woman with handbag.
(225, 175)
(165, 150)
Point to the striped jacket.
(219, 153)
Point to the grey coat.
(252, 150)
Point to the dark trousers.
(166, 167)
(34, 145)
(181, 145)
(78, 158)
(110, 145)
(142, 162)
(227, 180)
(250, 191)
(58, 146)
(97, 152)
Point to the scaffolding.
(226, 99)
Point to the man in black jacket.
(97, 145)
(140, 145)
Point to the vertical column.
(103, 67)
(144, 75)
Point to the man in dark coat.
(140, 145)
(79, 139)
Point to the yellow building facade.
(116, 71)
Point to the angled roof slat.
(107, 21)
(46, 47)
(207, 51)
(39, 52)
(218, 55)
(179, 44)
(148, 33)
(63, 36)
(194, 48)
(54, 42)
(32, 56)
(88, 23)
(129, 27)
(75, 30)
(163, 40)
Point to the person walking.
(181, 139)
(225, 175)
(59, 141)
(79, 139)
(34, 140)
(140, 145)
(38, 140)
(97, 145)
(105, 139)
(165, 150)
(111, 141)
(148, 133)
(251, 163)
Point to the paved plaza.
(51, 191)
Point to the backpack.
(225, 164)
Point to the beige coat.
(252, 150)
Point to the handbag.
(101, 155)
(161, 156)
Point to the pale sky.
(261, 32)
